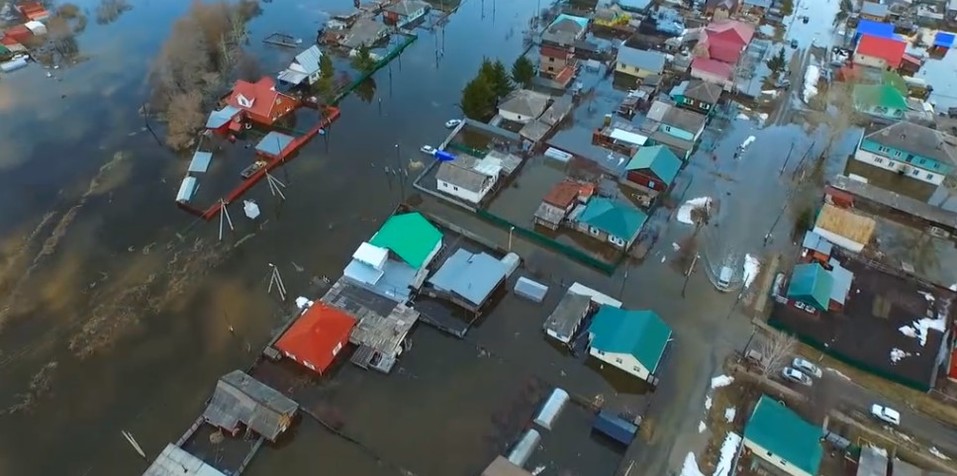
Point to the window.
(666, 128)
(455, 188)
(915, 172)
(930, 176)
(551, 69)
(618, 360)
(897, 153)
(705, 106)
(636, 369)
(878, 160)
(651, 184)
(551, 58)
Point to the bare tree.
(184, 115)
(776, 348)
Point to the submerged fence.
(409, 39)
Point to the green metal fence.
(409, 39)
(480, 153)
(541, 239)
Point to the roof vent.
(244, 101)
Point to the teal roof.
(408, 235)
(659, 159)
(581, 21)
(786, 435)
(639, 333)
(616, 219)
(811, 284)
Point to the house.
(501, 466)
(467, 178)
(565, 320)
(754, 8)
(811, 285)
(639, 64)
(175, 460)
(405, 12)
(523, 106)
(633, 341)
(396, 259)
(713, 71)
(565, 30)
(724, 40)
(910, 150)
(697, 95)
(880, 100)
(469, 279)
(242, 401)
(721, 9)
(844, 228)
(317, 337)
(260, 102)
(873, 28)
(779, 436)
(275, 144)
(364, 32)
(874, 11)
(683, 124)
(557, 50)
(33, 11)
(652, 169)
(610, 220)
(305, 67)
(560, 200)
(881, 53)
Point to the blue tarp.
(615, 427)
(200, 162)
(874, 28)
(274, 143)
(944, 39)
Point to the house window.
(878, 160)
(618, 360)
(705, 106)
(551, 69)
(915, 172)
(594, 231)
(919, 162)
(651, 184)
(930, 176)
(636, 369)
(455, 188)
(897, 153)
(666, 128)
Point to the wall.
(423, 272)
(632, 71)
(776, 461)
(626, 362)
(679, 133)
(645, 181)
(460, 192)
(870, 61)
(892, 165)
(705, 76)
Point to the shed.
(872, 462)
(844, 228)
(525, 447)
(811, 284)
(187, 188)
(241, 399)
(615, 427)
(551, 409)
(817, 244)
(274, 144)
(531, 290)
(564, 321)
(657, 164)
(472, 277)
(221, 117)
(175, 461)
(779, 436)
(200, 162)
(501, 466)
(874, 10)
(317, 337)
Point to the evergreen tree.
(523, 71)
(478, 99)
(363, 59)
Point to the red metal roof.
(737, 31)
(317, 336)
(888, 49)
(712, 67)
(262, 93)
(724, 49)
(952, 370)
(563, 193)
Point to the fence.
(378, 65)
(466, 149)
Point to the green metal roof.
(616, 219)
(811, 284)
(659, 159)
(408, 235)
(879, 95)
(639, 333)
(786, 435)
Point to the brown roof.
(563, 193)
(503, 467)
(845, 223)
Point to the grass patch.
(740, 396)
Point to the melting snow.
(751, 268)
(919, 328)
(953, 287)
(702, 427)
(684, 212)
(897, 354)
(811, 77)
(933, 450)
(729, 414)
(728, 450)
(742, 117)
(747, 142)
(908, 331)
(721, 381)
(676, 246)
(690, 468)
(707, 402)
(928, 296)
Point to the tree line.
(491, 84)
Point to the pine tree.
(523, 71)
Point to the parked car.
(806, 367)
(428, 149)
(724, 279)
(886, 414)
(794, 44)
(452, 123)
(796, 376)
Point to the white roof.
(186, 189)
(371, 255)
(629, 137)
(174, 461)
(595, 296)
(36, 27)
(488, 167)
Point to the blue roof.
(200, 162)
(875, 28)
(944, 39)
(581, 21)
(219, 118)
(680, 89)
(616, 219)
(274, 143)
(471, 275)
(615, 427)
(659, 159)
(640, 333)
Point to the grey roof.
(567, 316)
(364, 31)
(535, 130)
(896, 201)
(684, 119)
(874, 9)
(174, 461)
(727, 4)
(525, 102)
(309, 59)
(815, 242)
(406, 7)
(473, 276)
(657, 111)
(464, 177)
(642, 59)
(703, 91)
(239, 398)
(766, 4)
(563, 32)
(918, 139)
(558, 110)
(871, 463)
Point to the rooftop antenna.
(275, 186)
(276, 280)
(224, 218)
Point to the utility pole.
(785, 166)
(399, 170)
(694, 261)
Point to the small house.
(816, 248)
(565, 320)
(609, 220)
(811, 285)
(874, 11)
(697, 95)
(317, 337)
(275, 144)
(560, 200)
(469, 279)
(844, 228)
(880, 100)
(242, 401)
(523, 106)
(639, 64)
(260, 102)
(405, 12)
(304, 68)
(652, 170)
(633, 341)
(224, 120)
(779, 436)
(881, 53)
(721, 9)
(501, 466)
(364, 32)
(467, 178)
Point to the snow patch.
(908, 331)
(838, 373)
(897, 354)
(721, 381)
(707, 402)
(742, 116)
(684, 212)
(690, 467)
(728, 451)
(811, 76)
(751, 269)
(953, 287)
(702, 427)
(920, 328)
(750, 140)
(729, 414)
(928, 296)
(676, 246)
(933, 450)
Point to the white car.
(886, 414)
(806, 367)
(796, 376)
(427, 149)
(452, 123)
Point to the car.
(427, 149)
(794, 44)
(724, 279)
(796, 376)
(886, 414)
(806, 367)
(452, 123)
